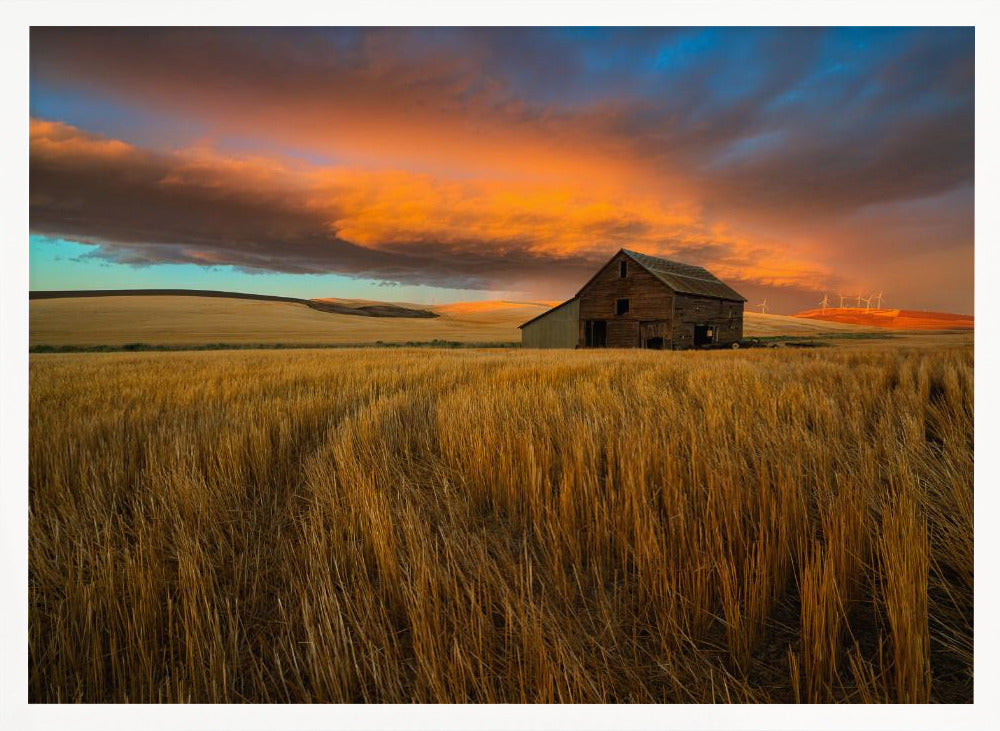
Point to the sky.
(444, 164)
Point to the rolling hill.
(362, 308)
(190, 320)
(203, 319)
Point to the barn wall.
(689, 310)
(649, 299)
(557, 328)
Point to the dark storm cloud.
(143, 208)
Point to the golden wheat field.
(503, 526)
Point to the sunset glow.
(463, 163)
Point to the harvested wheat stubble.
(364, 525)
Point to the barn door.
(704, 335)
(596, 334)
(654, 334)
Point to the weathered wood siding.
(649, 299)
(557, 328)
(725, 316)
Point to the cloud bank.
(508, 158)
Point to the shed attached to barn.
(555, 328)
(641, 301)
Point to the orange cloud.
(390, 210)
(200, 206)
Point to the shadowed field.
(413, 525)
(177, 320)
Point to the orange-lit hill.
(892, 319)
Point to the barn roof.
(686, 278)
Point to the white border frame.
(15, 19)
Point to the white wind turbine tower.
(859, 300)
(824, 303)
(878, 301)
(868, 302)
(763, 306)
(841, 301)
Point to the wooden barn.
(640, 301)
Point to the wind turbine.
(859, 300)
(824, 303)
(763, 306)
(841, 301)
(868, 302)
(878, 298)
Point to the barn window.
(621, 307)
(622, 269)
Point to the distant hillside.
(892, 319)
(368, 308)
(341, 307)
(757, 325)
(188, 317)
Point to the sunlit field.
(503, 526)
